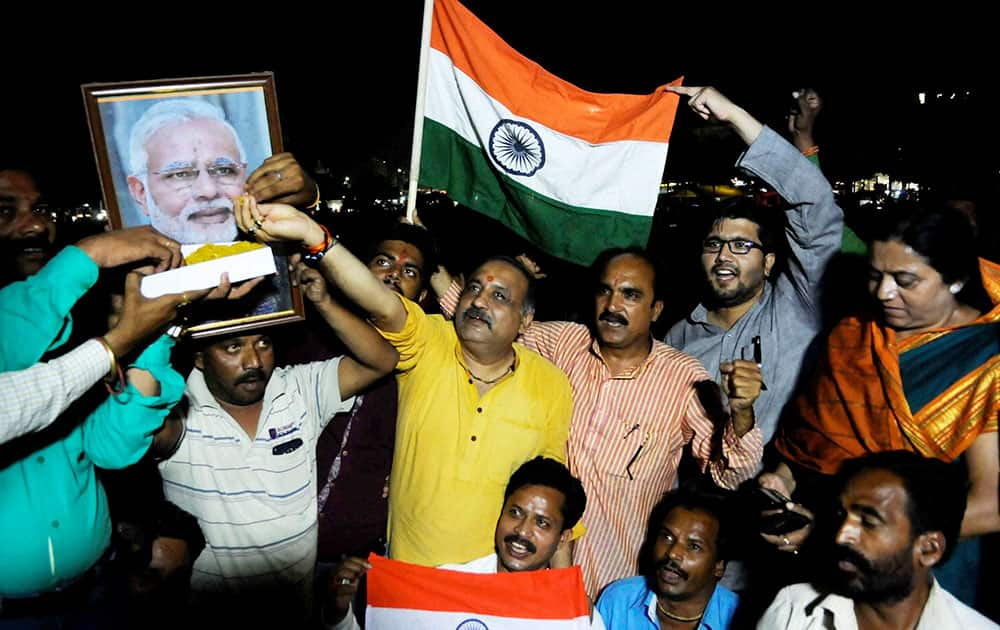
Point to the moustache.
(195, 207)
(478, 313)
(251, 375)
(614, 318)
(670, 565)
(855, 558)
(527, 544)
(392, 283)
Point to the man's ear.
(720, 569)
(199, 361)
(768, 263)
(929, 548)
(657, 309)
(564, 539)
(526, 320)
(138, 190)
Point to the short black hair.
(943, 236)
(604, 258)
(415, 235)
(528, 303)
(543, 471)
(936, 491)
(766, 219)
(695, 494)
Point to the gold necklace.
(670, 615)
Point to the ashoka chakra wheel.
(517, 148)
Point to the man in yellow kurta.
(473, 405)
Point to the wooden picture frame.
(172, 153)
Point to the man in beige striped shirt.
(635, 407)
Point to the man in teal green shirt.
(53, 511)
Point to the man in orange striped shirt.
(635, 407)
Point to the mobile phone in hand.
(783, 522)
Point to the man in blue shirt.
(681, 563)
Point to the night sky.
(346, 76)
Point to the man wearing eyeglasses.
(748, 312)
(186, 164)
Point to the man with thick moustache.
(635, 407)
(681, 562)
(239, 455)
(899, 517)
(473, 405)
(542, 504)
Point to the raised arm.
(278, 222)
(815, 222)
(802, 121)
(711, 104)
(38, 307)
(371, 356)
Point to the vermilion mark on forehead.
(489, 278)
(401, 259)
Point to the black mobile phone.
(768, 499)
(783, 522)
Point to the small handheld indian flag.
(402, 595)
(572, 171)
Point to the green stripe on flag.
(451, 163)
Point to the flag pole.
(418, 114)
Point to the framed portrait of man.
(173, 154)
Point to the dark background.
(346, 74)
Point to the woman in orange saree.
(923, 374)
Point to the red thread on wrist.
(321, 247)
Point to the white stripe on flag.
(576, 172)
(395, 618)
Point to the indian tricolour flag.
(572, 171)
(411, 597)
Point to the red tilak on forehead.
(401, 259)
(617, 280)
(489, 278)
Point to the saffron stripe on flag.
(548, 594)
(575, 172)
(530, 91)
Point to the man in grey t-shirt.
(747, 312)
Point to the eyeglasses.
(226, 173)
(739, 246)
